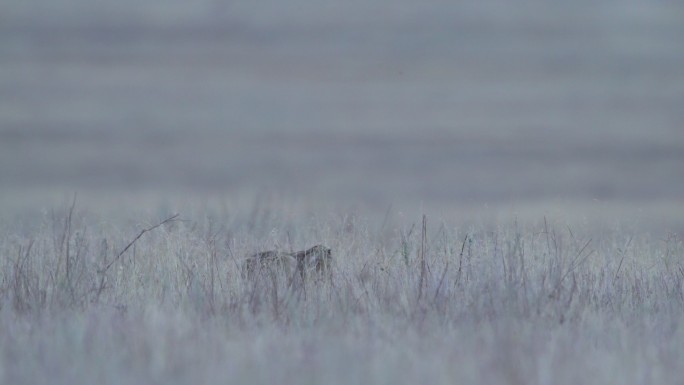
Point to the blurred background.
(528, 107)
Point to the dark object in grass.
(317, 258)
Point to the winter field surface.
(501, 185)
(83, 299)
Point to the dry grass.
(88, 301)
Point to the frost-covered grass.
(510, 303)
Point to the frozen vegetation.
(507, 303)
(567, 113)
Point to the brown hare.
(316, 259)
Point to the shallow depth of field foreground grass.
(510, 303)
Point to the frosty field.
(536, 303)
(541, 140)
